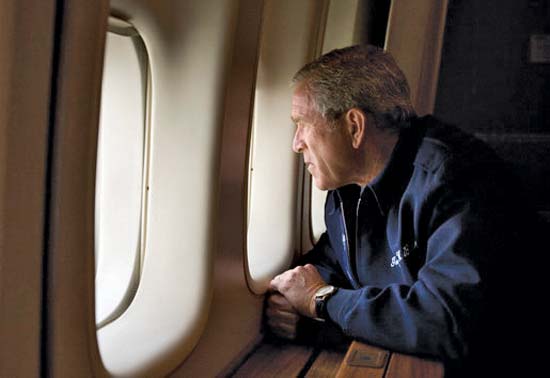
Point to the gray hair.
(362, 76)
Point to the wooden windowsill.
(277, 359)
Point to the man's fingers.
(279, 307)
(289, 317)
(279, 301)
(284, 330)
(298, 286)
(285, 280)
(284, 334)
(274, 283)
(281, 317)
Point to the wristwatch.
(321, 297)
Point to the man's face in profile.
(323, 145)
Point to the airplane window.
(158, 319)
(271, 194)
(318, 198)
(288, 30)
(120, 174)
(277, 187)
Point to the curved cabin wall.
(273, 39)
(70, 347)
(26, 50)
(290, 37)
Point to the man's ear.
(356, 122)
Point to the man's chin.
(321, 185)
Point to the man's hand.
(298, 286)
(282, 318)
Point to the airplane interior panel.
(150, 197)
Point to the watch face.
(324, 291)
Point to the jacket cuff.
(337, 304)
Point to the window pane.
(318, 198)
(119, 180)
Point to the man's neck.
(376, 155)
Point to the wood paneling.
(326, 364)
(361, 360)
(413, 367)
(364, 361)
(275, 360)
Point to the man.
(419, 219)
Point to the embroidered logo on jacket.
(402, 254)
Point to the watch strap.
(321, 308)
(321, 304)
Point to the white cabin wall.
(279, 38)
(290, 37)
(235, 314)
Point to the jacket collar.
(388, 187)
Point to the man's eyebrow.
(295, 119)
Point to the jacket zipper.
(350, 269)
(354, 270)
(350, 274)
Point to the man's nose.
(297, 143)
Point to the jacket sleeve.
(322, 257)
(436, 314)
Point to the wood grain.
(402, 365)
(357, 352)
(361, 360)
(275, 360)
(326, 365)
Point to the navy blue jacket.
(417, 254)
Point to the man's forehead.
(301, 104)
